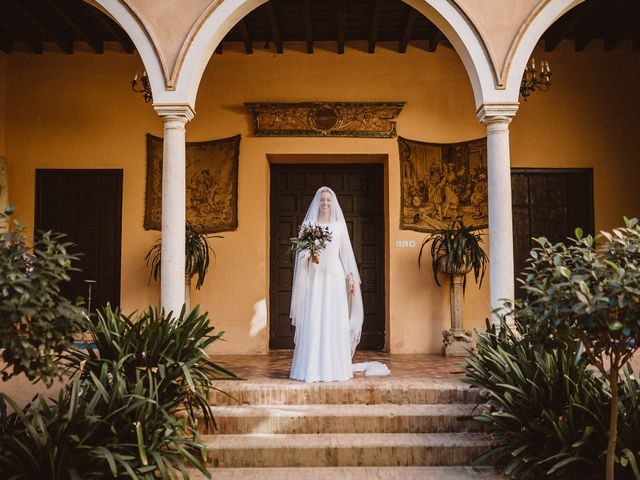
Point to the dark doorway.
(549, 203)
(87, 206)
(360, 190)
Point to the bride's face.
(325, 203)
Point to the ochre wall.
(80, 113)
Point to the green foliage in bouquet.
(37, 322)
(311, 237)
(549, 413)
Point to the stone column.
(496, 117)
(172, 287)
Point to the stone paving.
(413, 424)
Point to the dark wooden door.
(360, 191)
(549, 203)
(87, 206)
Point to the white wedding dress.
(323, 347)
(328, 320)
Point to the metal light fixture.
(140, 84)
(535, 79)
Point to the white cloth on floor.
(371, 369)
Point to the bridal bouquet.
(310, 237)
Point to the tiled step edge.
(352, 473)
(286, 393)
(343, 449)
(380, 418)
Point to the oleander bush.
(549, 412)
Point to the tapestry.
(211, 183)
(441, 182)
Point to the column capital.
(178, 111)
(497, 112)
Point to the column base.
(457, 343)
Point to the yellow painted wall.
(3, 99)
(84, 115)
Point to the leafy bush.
(170, 351)
(37, 323)
(102, 426)
(590, 292)
(131, 411)
(549, 413)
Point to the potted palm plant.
(197, 256)
(456, 251)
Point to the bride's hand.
(352, 287)
(315, 258)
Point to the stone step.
(352, 473)
(380, 418)
(344, 449)
(368, 392)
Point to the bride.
(326, 302)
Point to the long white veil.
(301, 271)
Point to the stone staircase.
(368, 428)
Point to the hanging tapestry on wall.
(211, 182)
(441, 182)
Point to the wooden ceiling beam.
(375, 26)
(5, 43)
(246, 36)
(273, 24)
(35, 45)
(613, 40)
(46, 31)
(581, 41)
(434, 39)
(564, 28)
(90, 38)
(114, 30)
(342, 25)
(308, 31)
(408, 29)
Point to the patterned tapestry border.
(441, 182)
(325, 119)
(211, 182)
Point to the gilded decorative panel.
(325, 119)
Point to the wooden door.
(360, 191)
(549, 203)
(87, 206)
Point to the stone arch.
(441, 12)
(140, 38)
(548, 14)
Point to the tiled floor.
(275, 366)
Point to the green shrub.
(589, 289)
(171, 351)
(549, 413)
(101, 426)
(36, 322)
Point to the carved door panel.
(549, 203)
(87, 206)
(360, 191)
